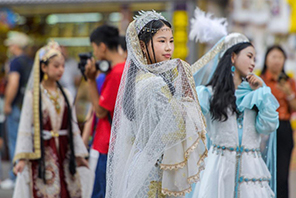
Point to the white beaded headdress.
(145, 17)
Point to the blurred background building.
(69, 22)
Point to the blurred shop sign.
(280, 17)
(180, 22)
(73, 18)
(292, 4)
(73, 41)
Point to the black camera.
(104, 66)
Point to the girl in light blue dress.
(240, 113)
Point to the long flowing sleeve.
(24, 144)
(182, 163)
(267, 119)
(204, 94)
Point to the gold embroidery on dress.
(155, 190)
(145, 76)
(73, 181)
(175, 193)
(52, 186)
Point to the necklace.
(54, 100)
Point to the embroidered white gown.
(27, 183)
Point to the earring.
(145, 59)
(232, 68)
(45, 77)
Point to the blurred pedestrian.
(72, 76)
(19, 71)
(49, 150)
(90, 126)
(284, 89)
(2, 115)
(105, 43)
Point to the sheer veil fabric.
(157, 144)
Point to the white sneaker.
(7, 184)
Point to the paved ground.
(8, 193)
(5, 170)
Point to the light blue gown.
(235, 166)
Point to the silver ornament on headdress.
(145, 17)
(233, 39)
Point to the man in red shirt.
(104, 40)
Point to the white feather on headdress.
(205, 28)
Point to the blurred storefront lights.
(74, 18)
(115, 17)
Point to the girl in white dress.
(157, 143)
(238, 108)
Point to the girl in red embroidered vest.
(49, 146)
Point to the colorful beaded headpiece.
(145, 17)
(51, 49)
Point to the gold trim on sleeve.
(207, 58)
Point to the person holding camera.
(283, 88)
(104, 41)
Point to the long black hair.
(223, 86)
(145, 35)
(267, 53)
(72, 162)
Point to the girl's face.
(275, 61)
(244, 61)
(163, 44)
(55, 68)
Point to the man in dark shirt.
(19, 72)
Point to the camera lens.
(104, 66)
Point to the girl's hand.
(81, 162)
(254, 81)
(19, 167)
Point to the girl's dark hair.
(72, 162)
(145, 35)
(223, 86)
(267, 52)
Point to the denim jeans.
(98, 164)
(12, 124)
